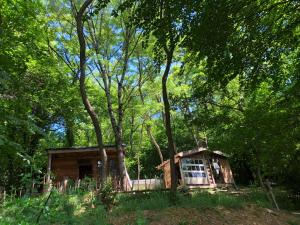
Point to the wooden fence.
(86, 184)
(147, 184)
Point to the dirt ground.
(250, 215)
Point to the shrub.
(107, 194)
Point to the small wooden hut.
(199, 168)
(76, 163)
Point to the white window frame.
(193, 171)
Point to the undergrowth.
(84, 208)
(61, 209)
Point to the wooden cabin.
(199, 168)
(76, 163)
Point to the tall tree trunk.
(116, 121)
(171, 145)
(85, 100)
(116, 125)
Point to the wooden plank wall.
(65, 165)
(226, 171)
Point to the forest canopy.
(160, 76)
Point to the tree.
(79, 17)
(33, 89)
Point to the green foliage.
(61, 208)
(107, 194)
(234, 83)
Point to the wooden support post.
(65, 185)
(48, 183)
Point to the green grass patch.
(205, 199)
(149, 201)
(257, 197)
(161, 200)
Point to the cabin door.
(193, 171)
(85, 169)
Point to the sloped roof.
(190, 153)
(111, 148)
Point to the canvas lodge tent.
(76, 163)
(199, 168)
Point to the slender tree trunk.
(131, 131)
(70, 140)
(158, 99)
(194, 130)
(138, 156)
(260, 179)
(85, 100)
(155, 143)
(148, 128)
(171, 145)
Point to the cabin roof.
(110, 148)
(190, 153)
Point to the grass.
(204, 200)
(198, 200)
(78, 208)
(293, 222)
(151, 201)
